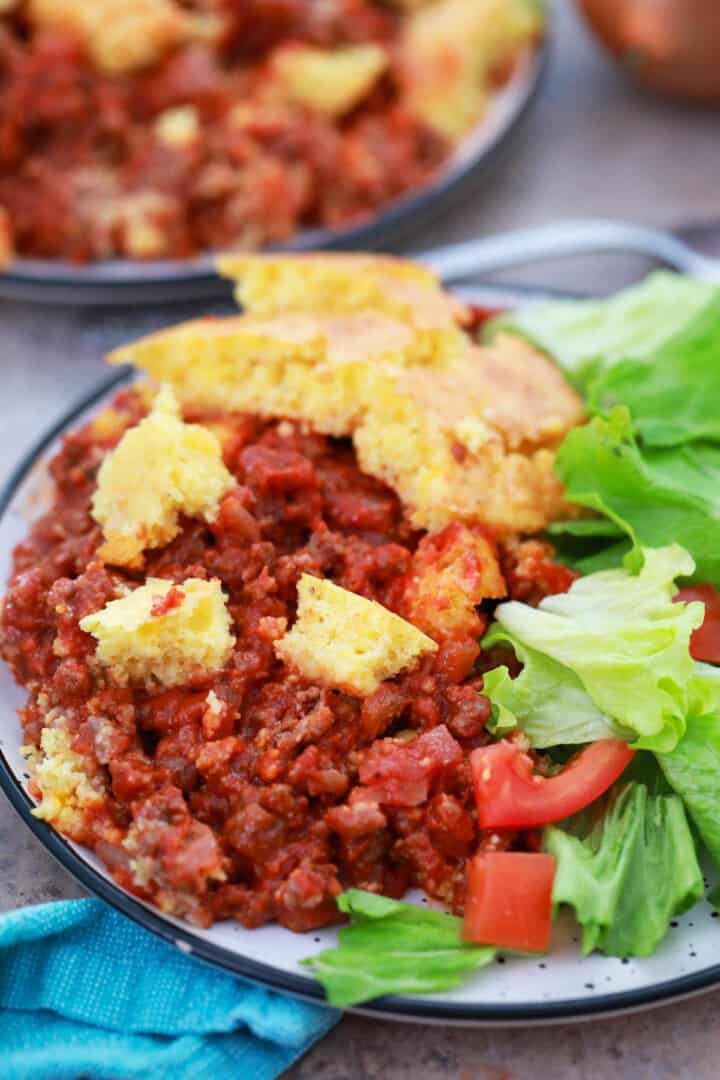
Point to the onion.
(670, 45)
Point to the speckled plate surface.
(563, 985)
(121, 281)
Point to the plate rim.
(118, 281)
(183, 937)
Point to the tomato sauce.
(265, 798)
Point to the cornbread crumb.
(71, 784)
(344, 641)
(159, 469)
(452, 572)
(472, 433)
(163, 633)
(214, 704)
(178, 126)
(451, 50)
(119, 35)
(109, 424)
(331, 81)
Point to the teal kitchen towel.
(84, 992)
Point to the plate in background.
(124, 281)
(558, 987)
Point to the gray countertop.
(592, 146)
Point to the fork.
(457, 262)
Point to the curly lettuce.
(675, 398)
(693, 771)
(614, 649)
(589, 337)
(627, 869)
(655, 495)
(546, 700)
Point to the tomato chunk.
(510, 795)
(705, 641)
(400, 774)
(509, 900)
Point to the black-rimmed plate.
(121, 281)
(560, 986)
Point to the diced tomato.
(509, 900)
(511, 796)
(705, 641)
(163, 605)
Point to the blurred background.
(598, 144)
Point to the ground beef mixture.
(252, 794)
(85, 172)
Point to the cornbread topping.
(163, 633)
(159, 469)
(344, 641)
(460, 432)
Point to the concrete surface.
(593, 146)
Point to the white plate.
(560, 986)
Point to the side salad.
(607, 741)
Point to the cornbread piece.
(452, 572)
(525, 396)
(70, 784)
(159, 469)
(163, 633)
(475, 440)
(344, 641)
(119, 35)
(332, 81)
(337, 283)
(451, 50)
(178, 126)
(321, 368)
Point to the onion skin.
(672, 46)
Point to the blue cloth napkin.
(84, 992)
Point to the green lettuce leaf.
(546, 700)
(657, 496)
(673, 395)
(626, 643)
(588, 544)
(394, 948)
(589, 558)
(586, 337)
(693, 771)
(629, 872)
(585, 527)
